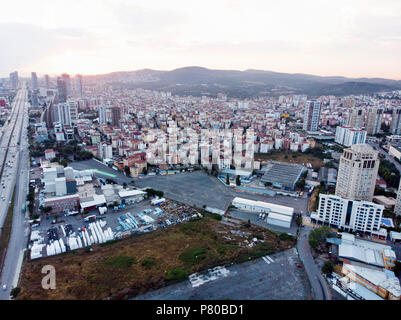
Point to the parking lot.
(274, 277)
(199, 189)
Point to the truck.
(156, 202)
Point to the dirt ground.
(134, 265)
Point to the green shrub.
(176, 274)
(120, 261)
(148, 263)
(193, 256)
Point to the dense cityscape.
(307, 186)
(191, 159)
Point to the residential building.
(312, 116)
(357, 173)
(374, 120)
(356, 118)
(396, 121)
(350, 215)
(348, 136)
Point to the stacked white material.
(148, 219)
(36, 250)
(102, 223)
(62, 229)
(50, 251)
(35, 235)
(86, 234)
(99, 229)
(93, 236)
(79, 242)
(57, 247)
(62, 246)
(84, 240)
(73, 243)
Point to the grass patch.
(148, 263)
(176, 275)
(120, 262)
(193, 256)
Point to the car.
(299, 265)
(4, 286)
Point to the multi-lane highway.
(14, 157)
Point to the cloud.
(24, 44)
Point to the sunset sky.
(358, 38)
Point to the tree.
(14, 292)
(318, 235)
(268, 184)
(237, 181)
(127, 170)
(328, 268)
(227, 179)
(47, 209)
(145, 170)
(300, 184)
(124, 185)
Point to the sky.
(357, 38)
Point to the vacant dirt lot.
(291, 157)
(135, 265)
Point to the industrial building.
(276, 214)
(381, 282)
(283, 176)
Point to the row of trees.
(389, 172)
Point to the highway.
(15, 155)
(318, 283)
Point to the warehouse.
(131, 196)
(283, 176)
(276, 214)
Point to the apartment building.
(348, 136)
(350, 215)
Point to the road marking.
(265, 260)
(270, 258)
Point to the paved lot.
(277, 279)
(198, 189)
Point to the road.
(319, 285)
(15, 174)
(386, 155)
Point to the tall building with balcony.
(14, 80)
(62, 90)
(396, 121)
(357, 173)
(311, 116)
(34, 78)
(356, 118)
(116, 115)
(374, 120)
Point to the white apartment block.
(350, 215)
(348, 136)
(357, 173)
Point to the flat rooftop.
(284, 174)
